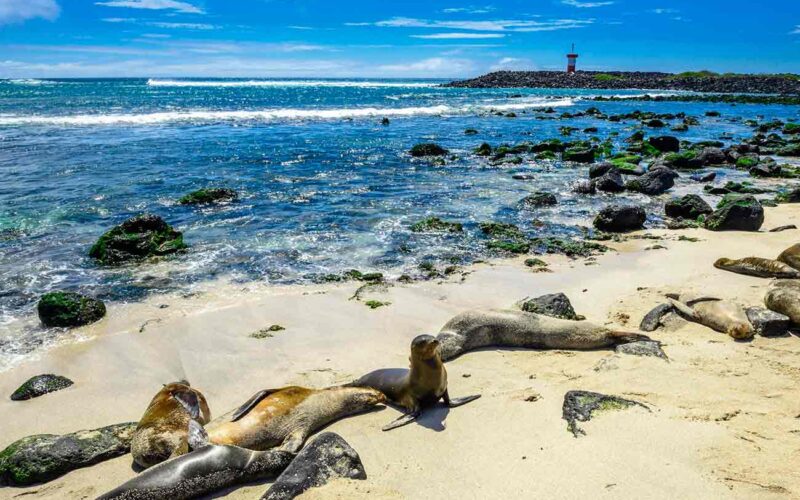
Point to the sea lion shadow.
(434, 418)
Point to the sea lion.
(791, 256)
(419, 387)
(163, 430)
(201, 472)
(783, 296)
(286, 417)
(756, 266)
(719, 315)
(507, 328)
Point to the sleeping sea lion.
(719, 315)
(286, 417)
(419, 387)
(163, 430)
(756, 266)
(783, 296)
(201, 472)
(508, 328)
(791, 256)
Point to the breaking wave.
(212, 116)
(286, 83)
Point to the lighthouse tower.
(572, 60)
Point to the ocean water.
(324, 186)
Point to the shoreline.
(329, 339)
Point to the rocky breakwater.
(702, 81)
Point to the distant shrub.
(605, 77)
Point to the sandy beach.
(723, 420)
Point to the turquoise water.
(324, 186)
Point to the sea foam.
(287, 83)
(265, 115)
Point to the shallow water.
(324, 186)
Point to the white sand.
(724, 420)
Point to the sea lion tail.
(684, 309)
(621, 337)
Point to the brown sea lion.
(163, 430)
(510, 328)
(286, 417)
(417, 388)
(783, 296)
(756, 266)
(791, 256)
(719, 315)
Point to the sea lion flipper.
(293, 442)
(405, 419)
(251, 403)
(189, 400)
(455, 402)
(684, 310)
(197, 437)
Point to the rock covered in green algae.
(556, 305)
(427, 149)
(570, 248)
(69, 309)
(580, 406)
(40, 385)
(44, 457)
(579, 155)
(137, 238)
(620, 219)
(435, 224)
(539, 199)
(791, 196)
(736, 213)
(208, 196)
(690, 206)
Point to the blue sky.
(379, 38)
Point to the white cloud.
(433, 67)
(796, 30)
(664, 11)
(512, 64)
(17, 11)
(585, 5)
(175, 5)
(469, 10)
(516, 25)
(459, 36)
(188, 26)
(161, 24)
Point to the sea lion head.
(723, 263)
(424, 347)
(741, 331)
(361, 399)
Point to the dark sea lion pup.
(201, 472)
(286, 417)
(163, 431)
(419, 387)
(511, 328)
(761, 268)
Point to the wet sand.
(724, 420)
